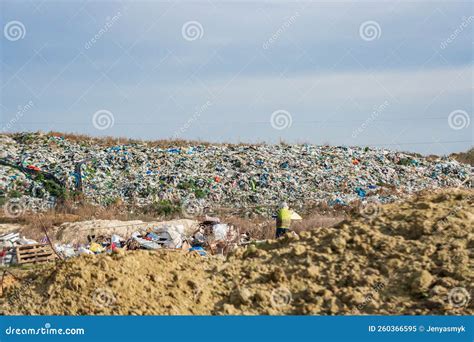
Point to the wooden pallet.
(36, 253)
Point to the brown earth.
(412, 257)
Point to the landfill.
(414, 257)
(37, 169)
(407, 248)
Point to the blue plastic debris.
(336, 201)
(153, 236)
(361, 192)
(198, 249)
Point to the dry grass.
(316, 221)
(109, 141)
(34, 223)
(465, 157)
(263, 228)
(256, 227)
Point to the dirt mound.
(413, 257)
(132, 283)
(406, 258)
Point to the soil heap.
(412, 257)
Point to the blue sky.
(389, 73)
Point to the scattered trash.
(146, 244)
(67, 251)
(117, 240)
(169, 237)
(100, 237)
(96, 248)
(34, 253)
(360, 192)
(11, 237)
(220, 231)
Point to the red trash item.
(217, 179)
(355, 162)
(32, 167)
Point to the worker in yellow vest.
(283, 220)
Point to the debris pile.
(9, 242)
(36, 169)
(102, 236)
(413, 257)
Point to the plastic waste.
(96, 248)
(147, 244)
(199, 250)
(228, 176)
(66, 251)
(220, 231)
(84, 250)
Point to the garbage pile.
(8, 243)
(208, 236)
(153, 238)
(412, 258)
(199, 177)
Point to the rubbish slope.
(413, 257)
(252, 177)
